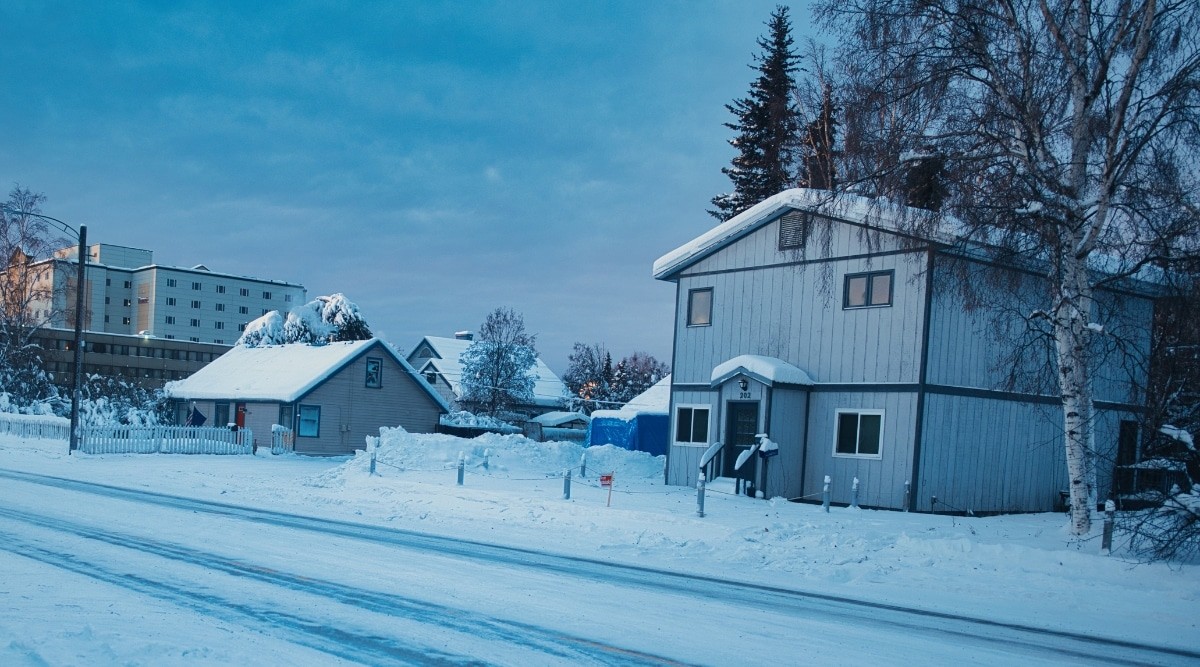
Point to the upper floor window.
(170, 319)
(221, 307)
(220, 289)
(287, 298)
(244, 291)
(868, 289)
(197, 286)
(699, 312)
(171, 282)
(374, 372)
(242, 310)
(170, 301)
(859, 433)
(128, 284)
(195, 304)
(267, 295)
(793, 229)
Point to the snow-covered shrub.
(1170, 531)
(325, 319)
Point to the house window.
(195, 322)
(699, 312)
(285, 416)
(793, 230)
(219, 325)
(242, 310)
(309, 423)
(864, 290)
(220, 289)
(244, 291)
(126, 302)
(170, 301)
(125, 320)
(374, 372)
(221, 307)
(171, 282)
(267, 296)
(859, 433)
(170, 319)
(691, 424)
(195, 304)
(197, 286)
(221, 414)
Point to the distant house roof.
(558, 418)
(548, 389)
(282, 373)
(656, 399)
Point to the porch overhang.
(770, 371)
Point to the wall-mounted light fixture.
(743, 384)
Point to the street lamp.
(81, 261)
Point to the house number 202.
(745, 394)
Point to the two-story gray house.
(849, 342)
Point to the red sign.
(606, 480)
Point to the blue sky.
(430, 160)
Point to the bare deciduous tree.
(1055, 130)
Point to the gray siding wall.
(881, 480)
(788, 416)
(259, 417)
(683, 460)
(350, 411)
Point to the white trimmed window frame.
(837, 421)
(708, 424)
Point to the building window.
(170, 301)
(265, 311)
(285, 416)
(242, 310)
(170, 337)
(197, 286)
(267, 296)
(699, 313)
(108, 282)
(242, 326)
(309, 425)
(171, 282)
(220, 414)
(864, 290)
(244, 291)
(195, 339)
(219, 325)
(195, 304)
(220, 289)
(106, 319)
(125, 320)
(793, 230)
(221, 307)
(126, 302)
(691, 424)
(219, 341)
(170, 319)
(128, 284)
(374, 372)
(859, 433)
(195, 322)
(287, 298)
(107, 300)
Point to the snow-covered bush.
(1170, 531)
(325, 319)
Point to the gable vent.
(793, 229)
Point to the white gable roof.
(548, 389)
(656, 399)
(768, 370)
(278, 372)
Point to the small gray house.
(848, 342)
(331, 396)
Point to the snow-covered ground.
(1022, 569)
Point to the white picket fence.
(165, 440)
(47, 427)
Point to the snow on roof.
(277, 372)
(655, 400)
(547, 389)
(558, 418)
(846, 207)
(767, 370)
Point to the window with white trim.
(864, 290)
(859, 433)
(699, 312)
(691, 424)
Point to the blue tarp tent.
(637, 431)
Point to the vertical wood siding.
(683, 460)
(788, 416)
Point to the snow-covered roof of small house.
(655, 400)
(280, 372)
(768, 370)
(548, 390)
(558, 418)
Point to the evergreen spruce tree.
(767, 125)
(818, 170)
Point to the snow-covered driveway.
(307, 589)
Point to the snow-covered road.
(382, 596)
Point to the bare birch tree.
(1059, 130)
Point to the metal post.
(1110, 511)
(487, 455)
(907, 491)
(583, 465)
(700, 494)
(462, 466)
(854, 494)
(825, 493)
(567, 484)
(77, 390)
(372, 461)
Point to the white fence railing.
(283, 439)
(165, 440)
(48, 427)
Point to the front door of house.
(240, 416)
(741, 425)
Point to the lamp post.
(81, 263)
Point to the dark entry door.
(741, 425)
(240, 417)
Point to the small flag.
(195, 419)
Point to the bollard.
(825, 493)
(567, 484)
(854, 494)
(700, 495)
(487, 455)
(462, 465)
(907, 491)
(1110, 511)
(583, 465)
(372, 461)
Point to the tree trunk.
(1071, 318)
